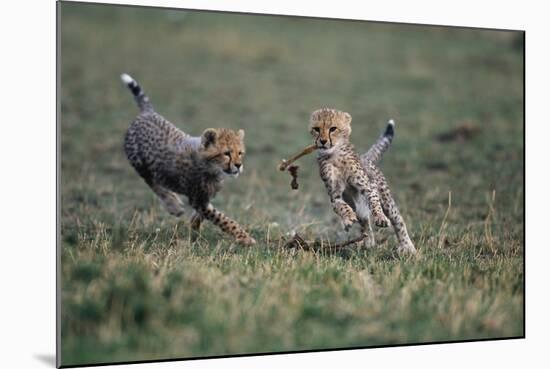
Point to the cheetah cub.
(357, 188)
(172, 163)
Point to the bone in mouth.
(285, 163)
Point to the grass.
(134, 287)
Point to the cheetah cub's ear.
(347, 117)
(240, 132)
(209, 137)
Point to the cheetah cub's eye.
(240, 153)
(227, 153)
(332, 129)
(316, 129)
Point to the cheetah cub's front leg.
(226, 224)
(365, 187)
(335, 188)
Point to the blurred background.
(133, 285)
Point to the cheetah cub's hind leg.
(392, 212)
(171, 201)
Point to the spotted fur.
(356, 186)
(174, 163)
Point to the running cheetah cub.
(357, 188)
(172, 162)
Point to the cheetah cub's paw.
(173, 204)
(381, 221)
(406, 248)
(349, 221)
(246, 240)
(175, 210)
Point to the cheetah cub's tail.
(142, 100)
(381, 145)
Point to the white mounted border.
(28, 182)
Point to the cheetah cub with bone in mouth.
(172, 162)
(356, 186)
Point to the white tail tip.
(391, 122)
(126, 78)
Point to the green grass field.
(134, 287)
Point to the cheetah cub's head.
(224, 149)
(329, 128)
